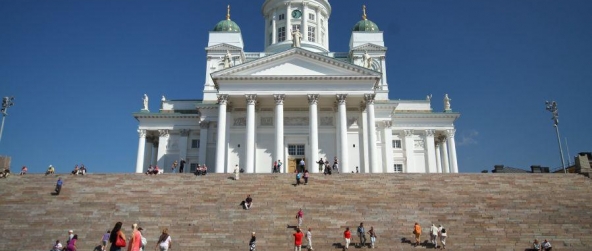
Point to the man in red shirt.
(298, 240)
(347, 236)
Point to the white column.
(279, 127)
(374, 168)
(141, 151)
(183, 142)
(318, 29)
(365, 164)
(288, 23)
(430, 151)
(343, 164)
(148, 151)
(452, 149)
(313, 133)
(304, 24)
(163, 140)
(203, 141)
(438, 158)
(250, 137)
(444, 154)
(409, 155)
(154, 154)
(221, 144)
(388, 147)
(274, 28)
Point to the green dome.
(365, 25)
(227, 25)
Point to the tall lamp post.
(552, 107)
(6, 103)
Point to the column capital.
(163, 133)
(222, 99)
(430, 132)
(184, 132)
(388, 124)
(313, 99)
(279, 98)
(204, 124)
(341, 98)
(369, 98)
(442, 139)
(251, 99)
(408, 133)
(450, 133)
(142, 133)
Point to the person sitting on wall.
(5, 173)
(82, 170)
(24, 170)
(50, 170)
(198, 170)
(156, 170)
(204, 169)
(150, 170)
(75, 171)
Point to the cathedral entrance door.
(291, 165)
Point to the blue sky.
(78, 70)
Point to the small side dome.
(227, 25)
(365, 24)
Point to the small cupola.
(365, 25)
(227, 25)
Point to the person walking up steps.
(298, 240)
(309, 238)
(372, 237)
(252, 242)
(347, 237)
(362, 234)
(417, 233)
(299, 217)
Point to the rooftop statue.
(145, 99)
(446, 103)
(296, 38)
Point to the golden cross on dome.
(228, 12)
(364, 10)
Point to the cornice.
(297, 77)
(425, 115)
(165, 116)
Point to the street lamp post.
(552, 107)
(6, 103)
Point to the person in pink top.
(136, 240)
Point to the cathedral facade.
(296, 101)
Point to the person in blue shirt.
(59, 185)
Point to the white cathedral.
(297, 100)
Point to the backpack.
(443, 230)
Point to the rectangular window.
(281, 34)
(397, 144)
(398, 168)
(311, 16)
(296, 149)
(295, 27)
(312, 31)
(195, 143)
(282, 17)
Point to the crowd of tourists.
(115, 240)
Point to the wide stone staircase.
(479, 211)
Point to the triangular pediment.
(223, 47)
(369, 47)
(296, 62)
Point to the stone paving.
(479, 211)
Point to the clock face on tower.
(296, 14)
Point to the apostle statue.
(367, 60)
(446, 103)
(296, 38)
(145, 99)
(227, 59)
(162, 100)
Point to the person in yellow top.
(417, 233)
(50, 170)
